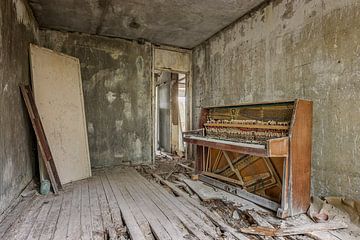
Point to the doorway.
(170, 91)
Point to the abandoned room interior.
(179, 119)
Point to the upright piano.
(259, 151)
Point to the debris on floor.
(139, 203)
(253, 221)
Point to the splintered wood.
(121, 204)
(114, 204)
(302, 229)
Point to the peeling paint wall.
(18, 28)
(116, 77)
(294, 49)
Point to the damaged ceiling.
(181, 23)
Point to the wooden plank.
(300, 157)
(150, 203)
(134, 229)
(296, 230)
(262, 223)
(11, 225)
(241, 193)
(64, 216)
(97, 226)
(193, 214)
(236, 171)
(134, 209)
(85, 217)
(204, 192)
(217, 160)
(52, 219)
(22, 230)
(74, 228)
(303, 219)
(167, 207)
(194, 225)
(208, 192)
(208, 160)
(188, 210)
(41, 138)
(215, 218)
(40, 221)
(223, 178)
(13, 205)
(170, 209)
(113, 205)
(205, 223)
(13, 217)
(185, 166)
(145, 224)
(159, 230)
(108, 224)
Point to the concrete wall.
(290, 49)
(17, 29)
(116, 77)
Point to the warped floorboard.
(113, 204)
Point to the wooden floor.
(100, 207)
(120, 204)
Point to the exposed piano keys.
(256, 148)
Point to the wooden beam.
(41, 138)
(236, 171)
(240, 192)
(220, 177)
(185, 166)
(296, 230)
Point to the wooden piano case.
(261, 152)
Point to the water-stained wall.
(116, 77)
(17, 146)
(294, 49)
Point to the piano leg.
(283, 211)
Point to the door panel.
(59, 98)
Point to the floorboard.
(113, 204)
(53, 217)
(154, 215)
(97, 226)
(132, 225)
(61, 228)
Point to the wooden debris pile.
(243, 219)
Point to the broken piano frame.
(260, 151)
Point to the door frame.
(173, 68)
